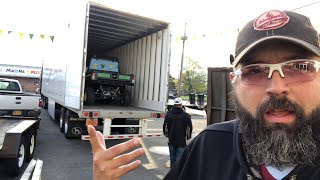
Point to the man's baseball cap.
(177, 101)
(276, 25)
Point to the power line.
(305, 6)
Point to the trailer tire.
(89, 96)
(72, 129)
(62, 119)
(66, 124)
(44, 102)
(31, 143)
(14, 165)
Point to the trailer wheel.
(89, 96)
(14, 165)
(44, 102)
(66, 124)
(62, 119)
(72, 128)
(31, 144)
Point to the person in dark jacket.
(276, 84)
(175, 126)
(276, 134)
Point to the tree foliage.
(173, 82)
(194, 77)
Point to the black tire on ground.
(14, 165)
(67, 124)
(125, 98)
(89, 96)
(72, 129)
(62, 119)
(31, 143)
(44, 102)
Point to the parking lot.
(71, 159)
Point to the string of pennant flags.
(22, 34)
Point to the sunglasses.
(294, 71)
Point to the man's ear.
(232, 76)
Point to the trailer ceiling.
(109, 28)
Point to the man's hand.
(109, 164)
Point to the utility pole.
(183, 38)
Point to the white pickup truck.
(14, 102)
(19, 121)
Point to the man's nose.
(277, 85)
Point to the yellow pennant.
(42, 36)
(21, 35)
(1, 31)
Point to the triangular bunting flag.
(9, 32)
(31, 36)
(52, 38)
(41, 36)
(21, 35)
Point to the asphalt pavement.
(71, 159)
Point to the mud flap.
(74, 127)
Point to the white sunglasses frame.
(277, 67)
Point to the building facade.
(28, 76)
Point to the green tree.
(194, 77)
(173, 83)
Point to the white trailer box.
(142, 47)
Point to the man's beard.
(280, 145)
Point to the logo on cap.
(270, 20)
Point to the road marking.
(152, 163)
(162, 150)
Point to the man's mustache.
(283, 103)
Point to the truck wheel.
(31, 144)
(125, 98)
(14, 165)
(72, 128)
(89, 96)
(66, 124)
(44, 102)
(62, 119)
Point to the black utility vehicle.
(105, 83)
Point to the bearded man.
(275, 91)
(276, 83)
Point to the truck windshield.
(9, 86)
(104, 65)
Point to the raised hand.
(109, 164)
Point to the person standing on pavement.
(177, 126)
